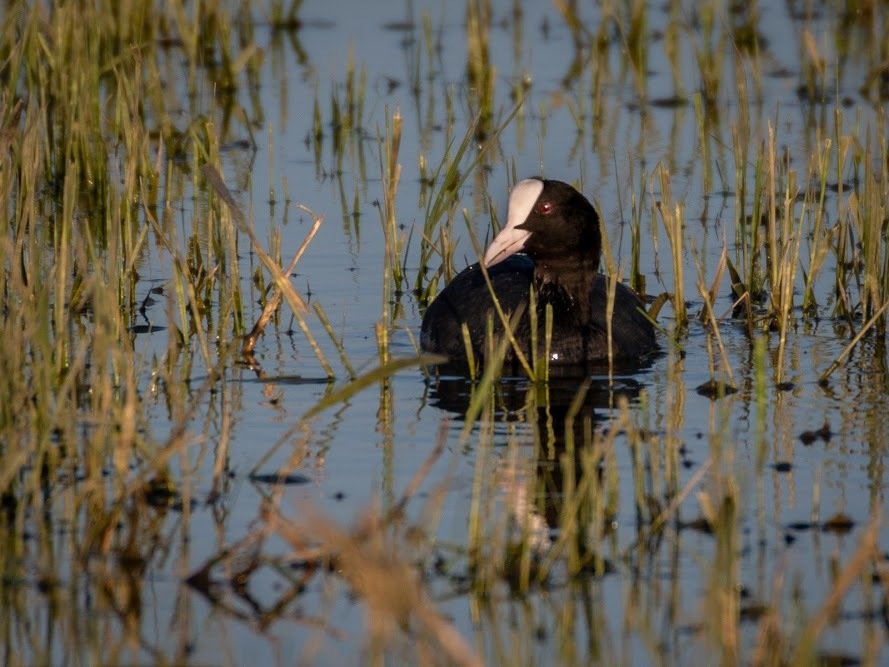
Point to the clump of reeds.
(98, 143)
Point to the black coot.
(557, 230)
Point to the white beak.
(511, 240)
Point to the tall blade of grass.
(378, 374)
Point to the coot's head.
(551, 222)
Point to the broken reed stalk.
(275, 299)
(707, 315)
(822, 379)
(282, 280)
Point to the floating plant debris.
(824, 433)
(145, 328)
(714, 389)
(753, 612)
(839, 523)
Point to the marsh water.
(768, 494)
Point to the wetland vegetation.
(219, 441)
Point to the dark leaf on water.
(145, 328)
(673, 102)
(824, 433)
(801, 525)
(279, 478)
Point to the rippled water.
(364, 451)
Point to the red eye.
(544, 207)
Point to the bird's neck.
(569, 280)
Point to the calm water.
(366, 450)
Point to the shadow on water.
(558, 397)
